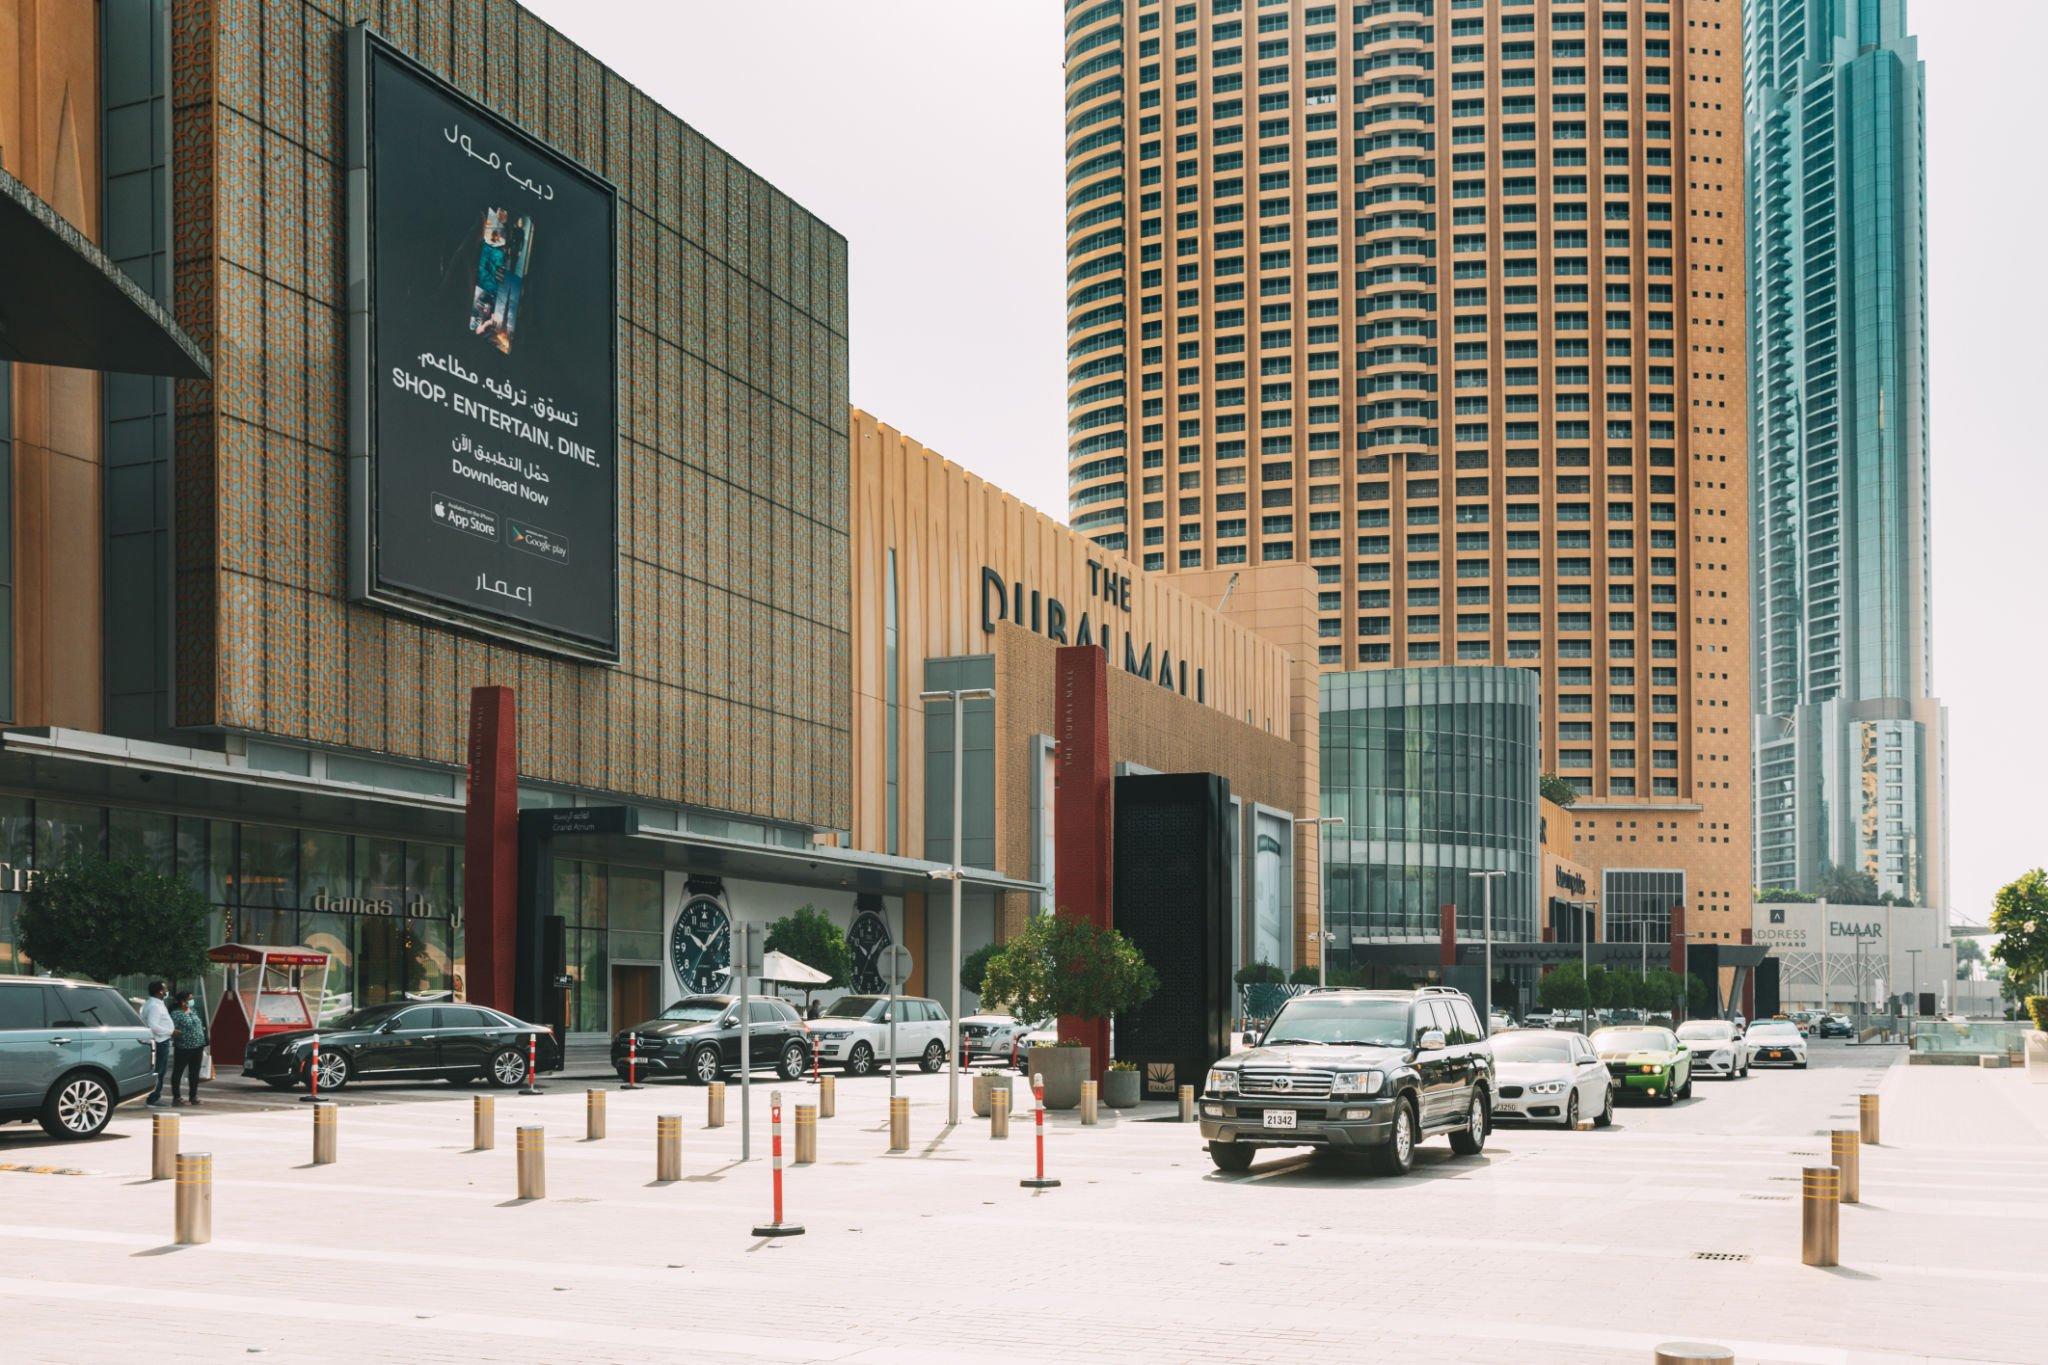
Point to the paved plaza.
(1596, 1246)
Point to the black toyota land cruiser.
(1353, 1070)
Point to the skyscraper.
(1445, 298)
(1851, 746)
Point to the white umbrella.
(786, 970)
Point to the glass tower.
(1850, 743)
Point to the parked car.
(1546, 1076)
(986, 1037)
(1356, 1070)
(1777, 1042)
(1499, 1021)
(1037, 1035)
(1651, 1061)
(1835, 1026)
(403, 1041)
(1536, 1019)
(1805, 1019)
(854, 1033)
(698, 1038)
(1718, 1048)
(71, 1052)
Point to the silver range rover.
(1351, 1070)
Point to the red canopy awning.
(254, 954)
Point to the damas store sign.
(1103, 620)
(385, 908)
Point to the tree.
(814, 940)
(1781, 895)
(2019, 915)
(1064, 965)
(1845, 886)
(974, 966)
(1304, 975)
(1563, 989)
(1699, 997)
(1662, 990)
(104, 918)
(1968, 951)
(1257, 973)
(1555, 788)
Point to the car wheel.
(1231, 1156)
(1606, 1114)
(792, 1061)
(861, 1060)
(934, 1056)
(1685, 1091)
(1471, 1139)
(1799, 1065)
(334, 1071)
(508, 1067)
(704, 1065)
(1571, 1112)
(77, 1107)
(1396, 1156)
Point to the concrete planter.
(1064, 1068)
(1120, 1089)
(986, 1083)
(2037, 1057)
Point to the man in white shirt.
(157, 1015)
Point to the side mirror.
(1432, 1041)
(1251, 1037)
(730, 1021)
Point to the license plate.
(1774, 1053)
(1278, 1118)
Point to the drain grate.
(1768, 1198)
(1731, 1257)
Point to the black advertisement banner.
(483, 326)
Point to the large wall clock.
(700, 945)
(868, 940)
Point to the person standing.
(189, 1040)
(158, 1017)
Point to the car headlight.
(831, 1033)
(1723, 1055)
(1358, 1082)
(1222, 1082)
(1547, 1088)
(1651, 1068)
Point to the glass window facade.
(1434, 773)
(1638, 904)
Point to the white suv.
(853, 1034)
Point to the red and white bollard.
(312, 1095)
(632, 1062)
(777, 1228)
(532, 1086)
(1038, 1122)
(812, 1039)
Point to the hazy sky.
(929, 132)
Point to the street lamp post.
(1585, 909)
(1486, 924)
(1685, 959)
(1914, 1007)
(957, 696)
(1323, 934)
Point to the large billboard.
(483, 421)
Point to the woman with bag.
(188, 1037)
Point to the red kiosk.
(261, 993)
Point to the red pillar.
(490, 847)
(1081, 812)
(1678, 939)
(1447, 926)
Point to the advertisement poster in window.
(483, 443)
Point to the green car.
(1653, 1062)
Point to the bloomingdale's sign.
(1108, 593)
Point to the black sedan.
(1834, 1026)
(407, 1041)
(698, 1038)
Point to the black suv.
(1349, 1070)
(698, 1038)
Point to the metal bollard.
(1820, 1216)
(668, 1147)
(776, 1227)
(533, 1157)
(1848, 1159)
(899, 1123)
(828, 1096)
(806, 1134)
(163, 1156)
(714, 1105)
(999, 1113)
(1867, 1110)
(593, 1115)
(1693, 1353)
(326, 1132)
(1038, 1125)
(483, 1123)
(1088, 1099)
(193, 1212)
(1187, 1104)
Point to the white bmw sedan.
(1550, 1077)
(1717, 1049)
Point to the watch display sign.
(483, 343)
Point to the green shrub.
(1256, 973)
(2037, 1006)
(1123, 1066)
(1304, 975)
(1065, 965)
